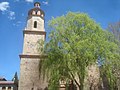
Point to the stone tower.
(29, 65)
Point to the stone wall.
(30, 43)
(30, 75)
(30, 23)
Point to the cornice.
(32, 56)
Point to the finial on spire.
(36, 11)
(37, 4)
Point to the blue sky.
(13, 14)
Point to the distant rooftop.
(2, 79)
(6, 82)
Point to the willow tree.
(114, 28)
(108, 68)
(75, 42)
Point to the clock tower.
(30, 57)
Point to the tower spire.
(30, 57)
(37, 5)
(36, 11)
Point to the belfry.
(30, 58)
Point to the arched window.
(42, 15)
(9, 88)
(35, 24)
(33, 12)
(38, 13)
(3, 88)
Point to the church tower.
(30, 58)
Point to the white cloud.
(45, 2)
(4, 6)
(11, 15)
(29, 1)
(18, 23)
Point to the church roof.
(35, 9)
(2, 79)
(6, 82)
(36, 3)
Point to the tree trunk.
(105, 82)
(91, 86)
(81, 86)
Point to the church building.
(30, 57)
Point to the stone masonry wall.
(30, 43)
(40, 23)
(29, 79)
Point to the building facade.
(9, 85)
(30, 57)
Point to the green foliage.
(114, 28)
(76, 42)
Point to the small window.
(33, 12)
(42, 15)
(3, 88)
(9, 88)
(35, 24)
(38, 13)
